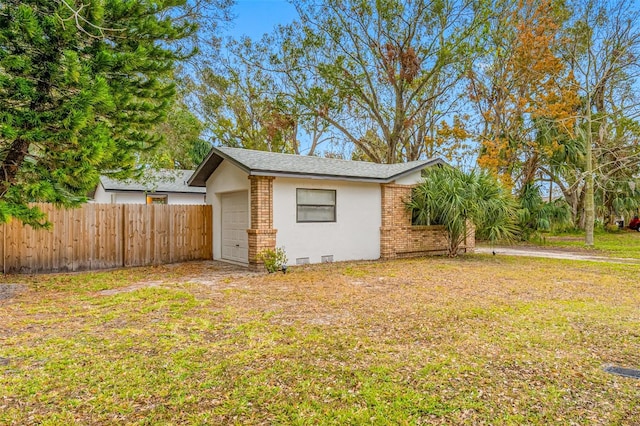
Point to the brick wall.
(261, 235)
(398, 238)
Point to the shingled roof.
(262, 163)
(154, 181)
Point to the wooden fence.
(100, 236)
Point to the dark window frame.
(335, 204)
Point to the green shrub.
(456, 199)
(274, 260)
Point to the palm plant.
(457, 200)
(535, 215)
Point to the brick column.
(261, 235)
(470, 238)
(395, 218)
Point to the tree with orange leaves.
(555, 90)
(516, 87)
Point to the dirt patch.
(134, 287)
(208, 273)
(9, 291)
(572, 250)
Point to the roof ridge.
(265, 163)
(226, 148)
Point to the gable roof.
(263, 163)
(164, 180)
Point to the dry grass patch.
(439, 341)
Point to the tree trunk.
(589, 202)
(572, 198)
(11, 164)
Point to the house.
(156, 187)
(317, 209)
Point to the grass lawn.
(624, 243)
(475, 340)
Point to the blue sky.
(257, 17)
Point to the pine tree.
(81, 85)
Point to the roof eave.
(197, 172)
(210, 164)
(155, 191)
(430, 163)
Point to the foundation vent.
(327, 259)
(624, 372)
(302, 261)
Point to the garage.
(235, 221)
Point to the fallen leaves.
(445, 341)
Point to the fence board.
(10, 249)
(207, 232)
(2, 244)
(98, 236)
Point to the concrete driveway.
(551, 254)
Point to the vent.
(327, 259)
(302, 261)
(625, 372)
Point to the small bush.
(612, 227)
(274, 260)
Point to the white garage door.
(235, 221)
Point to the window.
(316, 205)
(156, 199)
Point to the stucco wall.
(226, 178)
(109, 197)
(185, 198)
(101, 195)
(355, 235)
(410, 179)
(129, 197)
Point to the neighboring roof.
(154, 181)
(263, 163)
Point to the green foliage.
(556, 87)
(381, 75)
(242, 108)
(457, 199)
(404, 74)
(181, 146)
(618, 195)
(274, 259)
(535, 215)
(81, 86)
